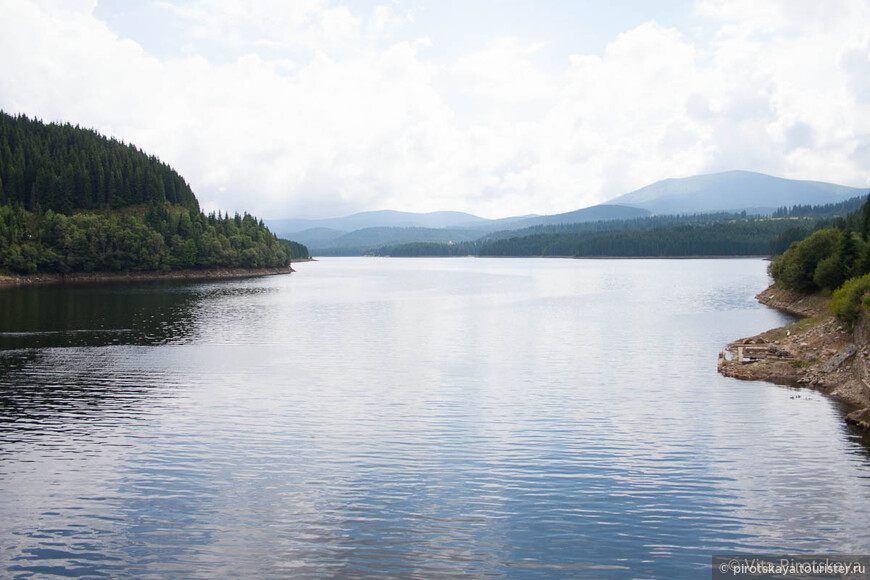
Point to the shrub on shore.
(847, 300)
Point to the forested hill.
(72, 200)
(64, 168)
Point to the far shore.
(130, 276)
(698, 257)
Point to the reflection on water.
(99, 315)
(412, 418)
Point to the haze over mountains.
(732, 191)
(446, 219)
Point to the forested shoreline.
(712, 234)
(833, 260)
(826, 277)
(738, 238)
(72, 200)
(696, 236)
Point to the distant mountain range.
(381, 219)
(731, 191)
(394, 227)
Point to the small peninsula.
(76, 206)
(817, 351)
(825, 279)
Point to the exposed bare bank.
(101, 277)
(816, 351)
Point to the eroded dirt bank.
(816, 351)
(100, 277)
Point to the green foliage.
(747, 237)
(833, 258)
(63, 168)
(716, 234)
(822, 261)
(846, 300)
(659, 222)
(783, 241)
(796, 268)
(297, 251)
(850, 251)
(72, 200)
(425, 249)
(659, 236)
(168, 238)
(820, 211)
(720, 233)
(829, 273)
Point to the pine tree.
(32, 199)
(847, 253)
(865, 220)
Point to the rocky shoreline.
(817, 351)
(104, 277)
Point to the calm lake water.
(412, 418)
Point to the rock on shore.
(816, 351)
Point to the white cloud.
(502, 72)
(801, 77)
(316, 109)
(237, 21)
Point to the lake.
(364, 417)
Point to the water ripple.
(415, 419)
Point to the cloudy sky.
(320, 108)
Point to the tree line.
(833, 259)
(297, 250)
(167, 238)
(696, 236)
(657, 222)
(72, 200)
(836, 251)
(827, 210)
(751, 237)
(65, 168)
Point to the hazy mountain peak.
(732, 191)
(379, 218)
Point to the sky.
(323, 108)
